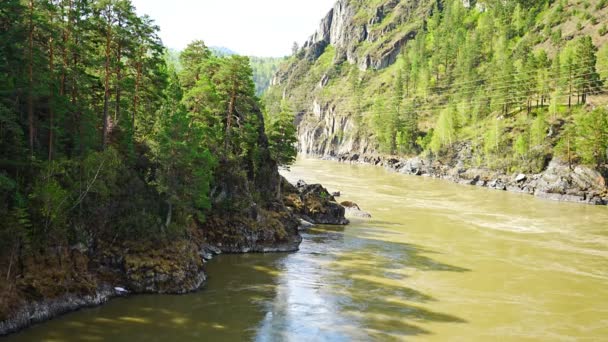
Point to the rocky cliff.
(369, 39)
(342, 84)
(352, 34)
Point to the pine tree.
(591, 142)
(282, 137)
(445, 131)
(602, 64)
(587, 80)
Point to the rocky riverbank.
(558, 182)
(56, 282)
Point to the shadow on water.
(341, 286)
(228, 308)
(364, 292)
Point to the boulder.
(313, 204)
(305, 224)
(320, 206)
(353, 209)
(561, 183)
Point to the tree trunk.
(118, 76)
(570, 90)
(118, 88)
(279, 189)
(66, 39)
(10, 265)
(106, 95)
(52, 96)
(169, 215)
(30, 93)
(230, 113)
(136, 95)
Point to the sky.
(264, 28)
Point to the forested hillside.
(516, 83)
(106, 150)
(264, 69)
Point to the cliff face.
(361, 34)
(350, 35)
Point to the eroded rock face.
(269, 231)
(561, 183)
(313, 203)
(86, 280)
(40, 311)
(344, 29)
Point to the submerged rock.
(305, 224)
(353, 209)
(120, 290)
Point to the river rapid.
(438, 261)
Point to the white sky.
(262, 28)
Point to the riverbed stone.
(353, 209)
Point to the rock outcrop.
(313, 203)
(353, 209)
(54, 284)
(346, 29)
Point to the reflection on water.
(343, 287)
(438, 261)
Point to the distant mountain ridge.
(222, 51)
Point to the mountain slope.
(409, 77)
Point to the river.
(438, 261)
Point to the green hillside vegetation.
(520, 81)
(264, 69)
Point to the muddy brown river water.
(438, 261)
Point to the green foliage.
(494, 141)
(602, 64)
(521, 147)
(186, 166)
(538, 131)
(282, 138)
(263, 72)
(591, 142)
(445, 130)
(105, 136)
